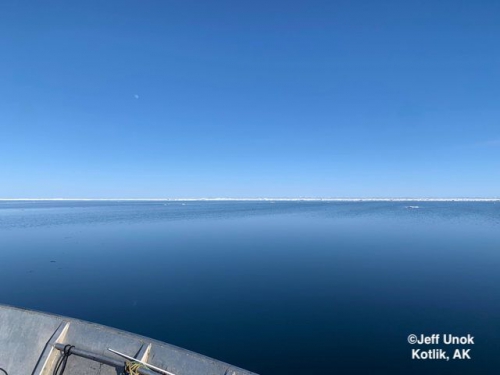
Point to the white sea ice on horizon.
(264, 199)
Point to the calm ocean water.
(276, 288)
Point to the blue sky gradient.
(147, 99)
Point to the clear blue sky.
(249, 98)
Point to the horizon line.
(264, 199)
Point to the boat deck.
(31, 343)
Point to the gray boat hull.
(30, 343)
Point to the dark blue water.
(277, 288)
